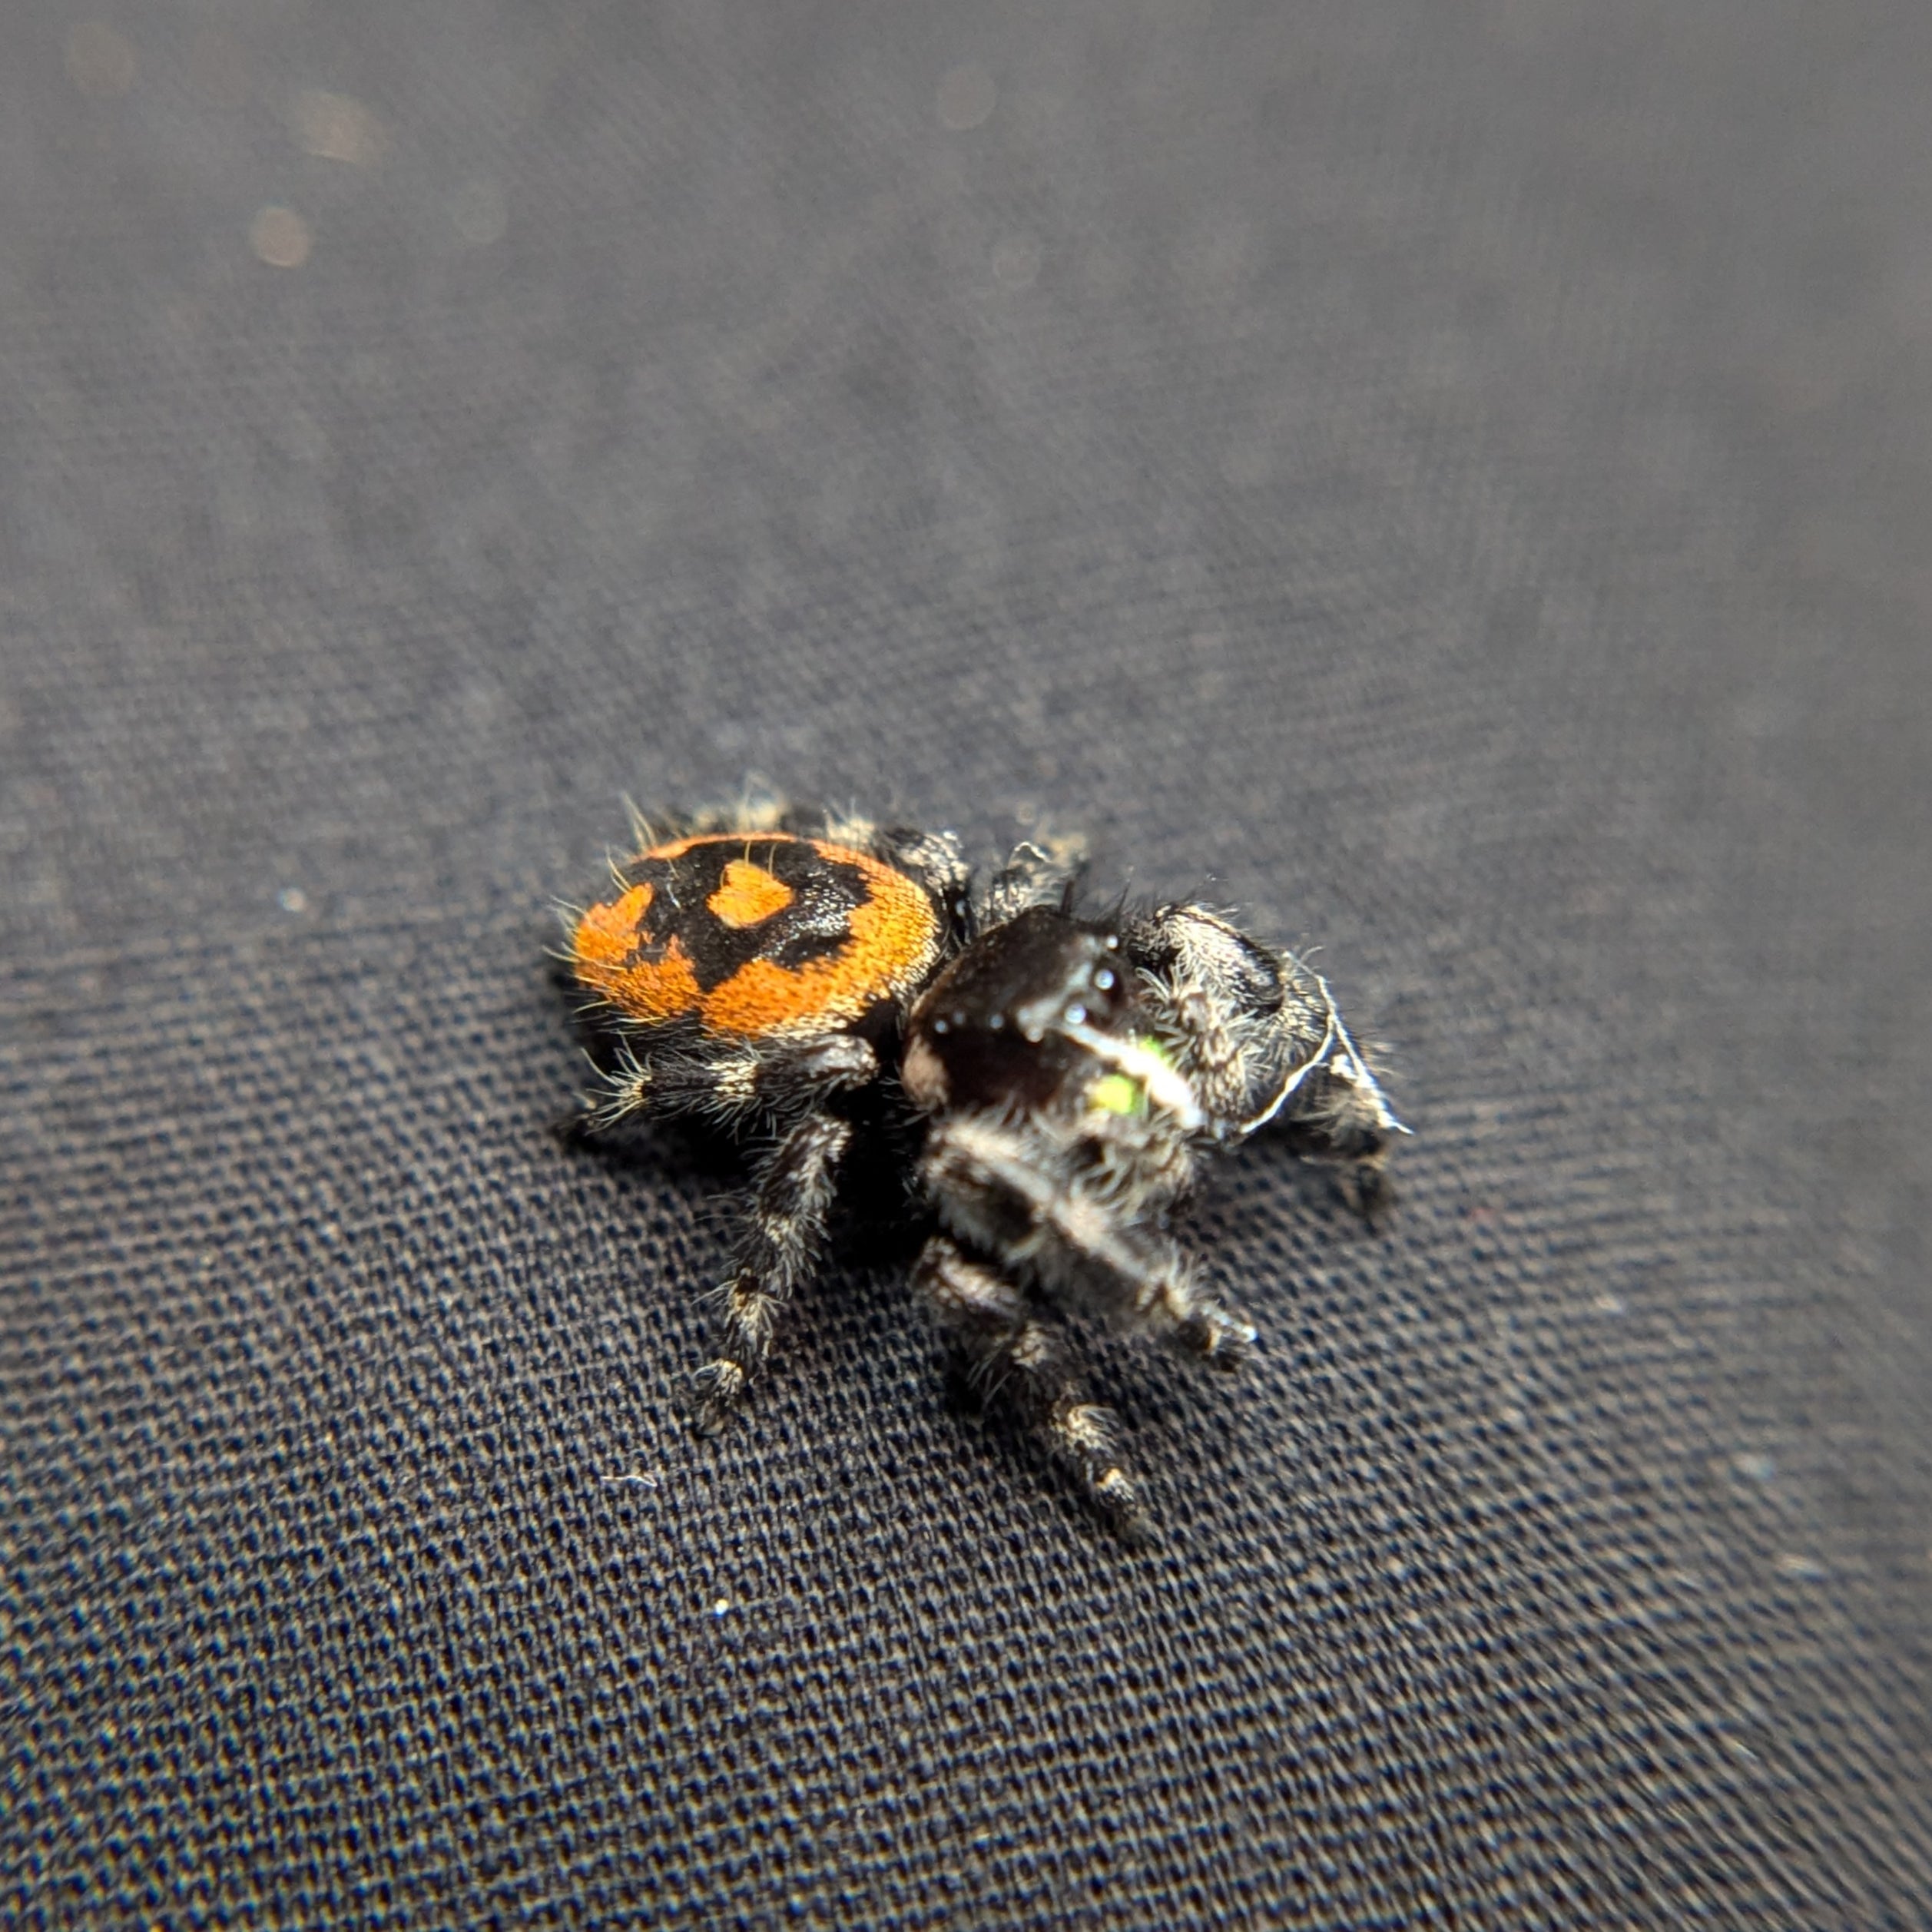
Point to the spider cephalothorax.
(802, 979)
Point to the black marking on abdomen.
(815, 926)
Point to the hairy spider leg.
(731, 1081)
(1032, 875)
(784, 1233)
(1203, 1039)
(1338, 1112)
(1231, 1031)
(997, 1185)
(780, 1246)
(1014, 1353)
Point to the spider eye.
(1076, 1015)
(1104, 979)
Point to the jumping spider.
(1059, 1080)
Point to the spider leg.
(1012, 1351)
(1011, 1191)
(732, 1083)
(1204, 1038)
(1336, 1112)
(738, 1084)
(937, 861)
(782, 1240)
(1260, 1037)
(1032, 875)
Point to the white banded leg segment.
(1013, 1352)
(731, 1084)
(992, 1188)
(783, 1237)
(666, 1085)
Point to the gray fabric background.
(1453, 479)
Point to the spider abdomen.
(756, 936)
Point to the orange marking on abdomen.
(893, 938)
(606, 934)
(603, 950)
(650, 990)
(749, 895)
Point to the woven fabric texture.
(1451, 479)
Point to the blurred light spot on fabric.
(280, 237)
(480, 213)
(966, 97)
(100, 61)
(335, 128)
